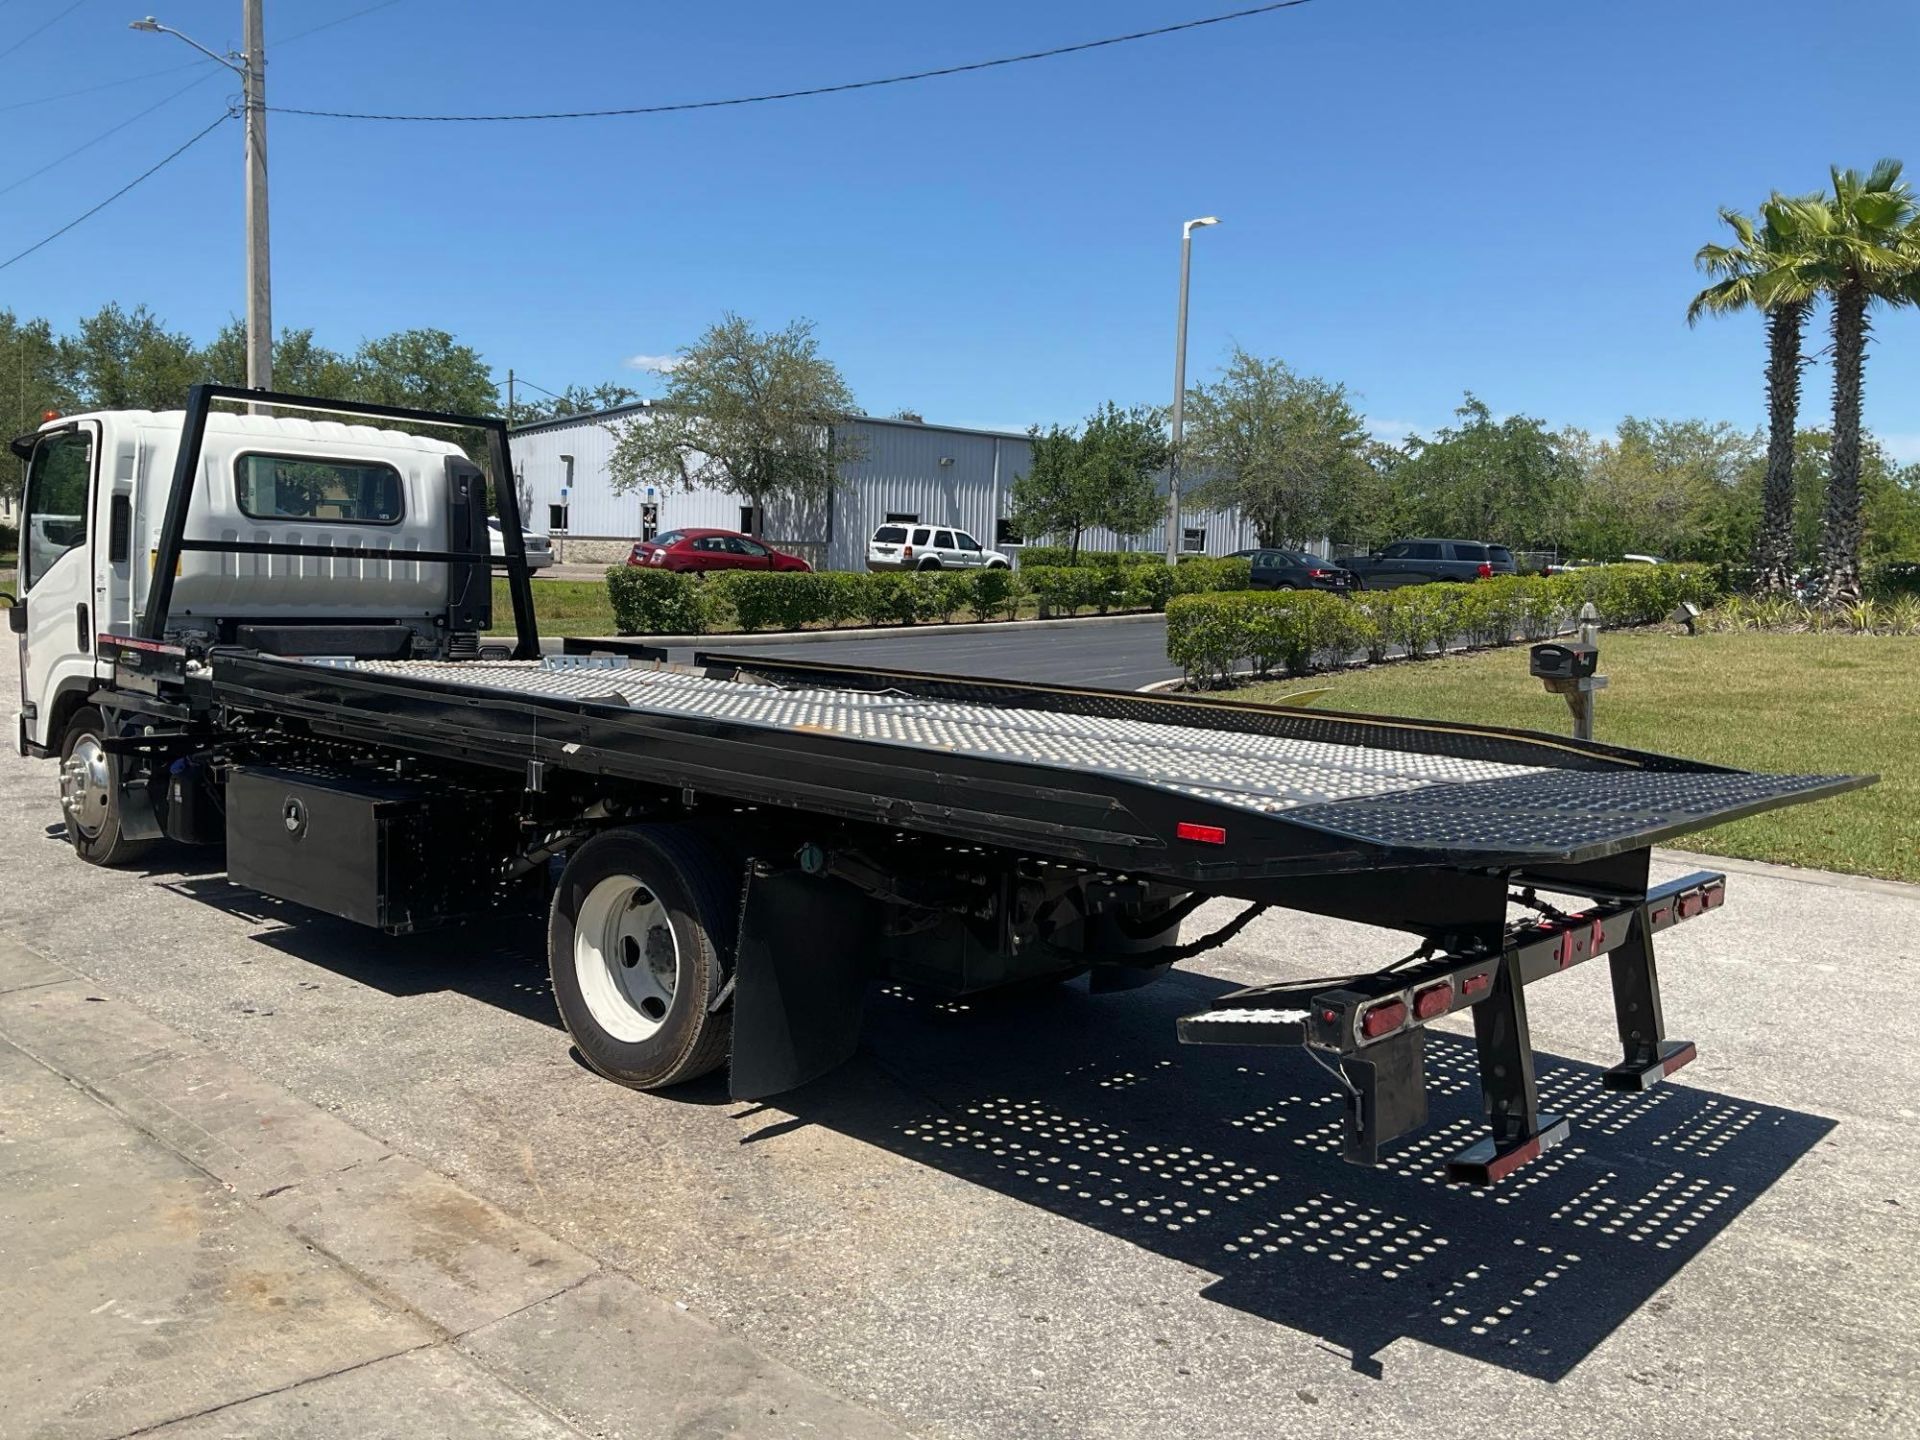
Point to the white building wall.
(937, 474)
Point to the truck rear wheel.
(639, 944)
(90, 781)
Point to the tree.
(1101, 475)
(423, 370)
(1487, 479)
(573, 400)
(127, 360)
(1674, 488)
(301, 365)
(753, 413)
(1860, 246)
(1755, 273)
(32, 382)
(1276, 445)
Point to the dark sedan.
(1296, 570)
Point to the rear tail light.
(1432, 1000)
(1205, 834)
(1383, 1017)
(1321, 574)
(1485, 572)
(659, 557)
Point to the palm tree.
(1753, 274)
(1860, 246)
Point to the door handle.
(83, 632)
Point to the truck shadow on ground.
(1229, 1160)
(1226, 1160)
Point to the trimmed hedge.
(1032, 555)
(662, 602)
(1299, 631)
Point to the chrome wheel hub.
(86, 785)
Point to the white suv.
(908, 546)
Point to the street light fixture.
(1174, 532)
(250, 65)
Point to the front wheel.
(90, 782)
(639, 944)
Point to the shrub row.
(1032, 555)
(1208, 636)
(660, 602)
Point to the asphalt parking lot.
(1051, 1221)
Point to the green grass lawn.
(1808, 703)
(561, 607)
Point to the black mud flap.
(1389, 1096)
(800, 975)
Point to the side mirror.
(16, 615)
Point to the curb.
(807, 637)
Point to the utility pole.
(251, 66)
(509, 397)
(259, 263)
(1174, 533)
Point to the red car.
(696, 551)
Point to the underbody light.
(1204, 834)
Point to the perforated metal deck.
(1262, 773)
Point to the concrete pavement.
(191, 1251)
(1041, 1221)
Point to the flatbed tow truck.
(271, 632)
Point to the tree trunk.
(1840, 523)
(1773, 544)
(1073, 547)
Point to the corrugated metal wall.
(939, 475)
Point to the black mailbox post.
(1569, 667)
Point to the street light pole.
(251, 66)
(1174, 533)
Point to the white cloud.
(653, 364)
(1903, 449)
(1392, 432)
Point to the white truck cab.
(95, 496)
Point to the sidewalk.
(189, 1251)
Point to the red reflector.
(1382, 1017)
(1432, 1000)
(1474, 984)
(1205, 834)
(1659, 915)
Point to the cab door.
(56, 574)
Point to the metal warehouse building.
(937, 474)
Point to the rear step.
(1373, 1024)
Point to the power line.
(278, 41)
(47, 25)
(189, 65)
(224, 116)
(111, 130)
(826, 89)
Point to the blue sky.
(1417, 197)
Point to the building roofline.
(594, 417)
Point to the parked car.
(1296, 570)
(907, 546)
(539, 548)
(695, 552)
(1420, 562)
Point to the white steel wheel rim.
(626, 958)
(85, 784)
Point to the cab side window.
(58, 481)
